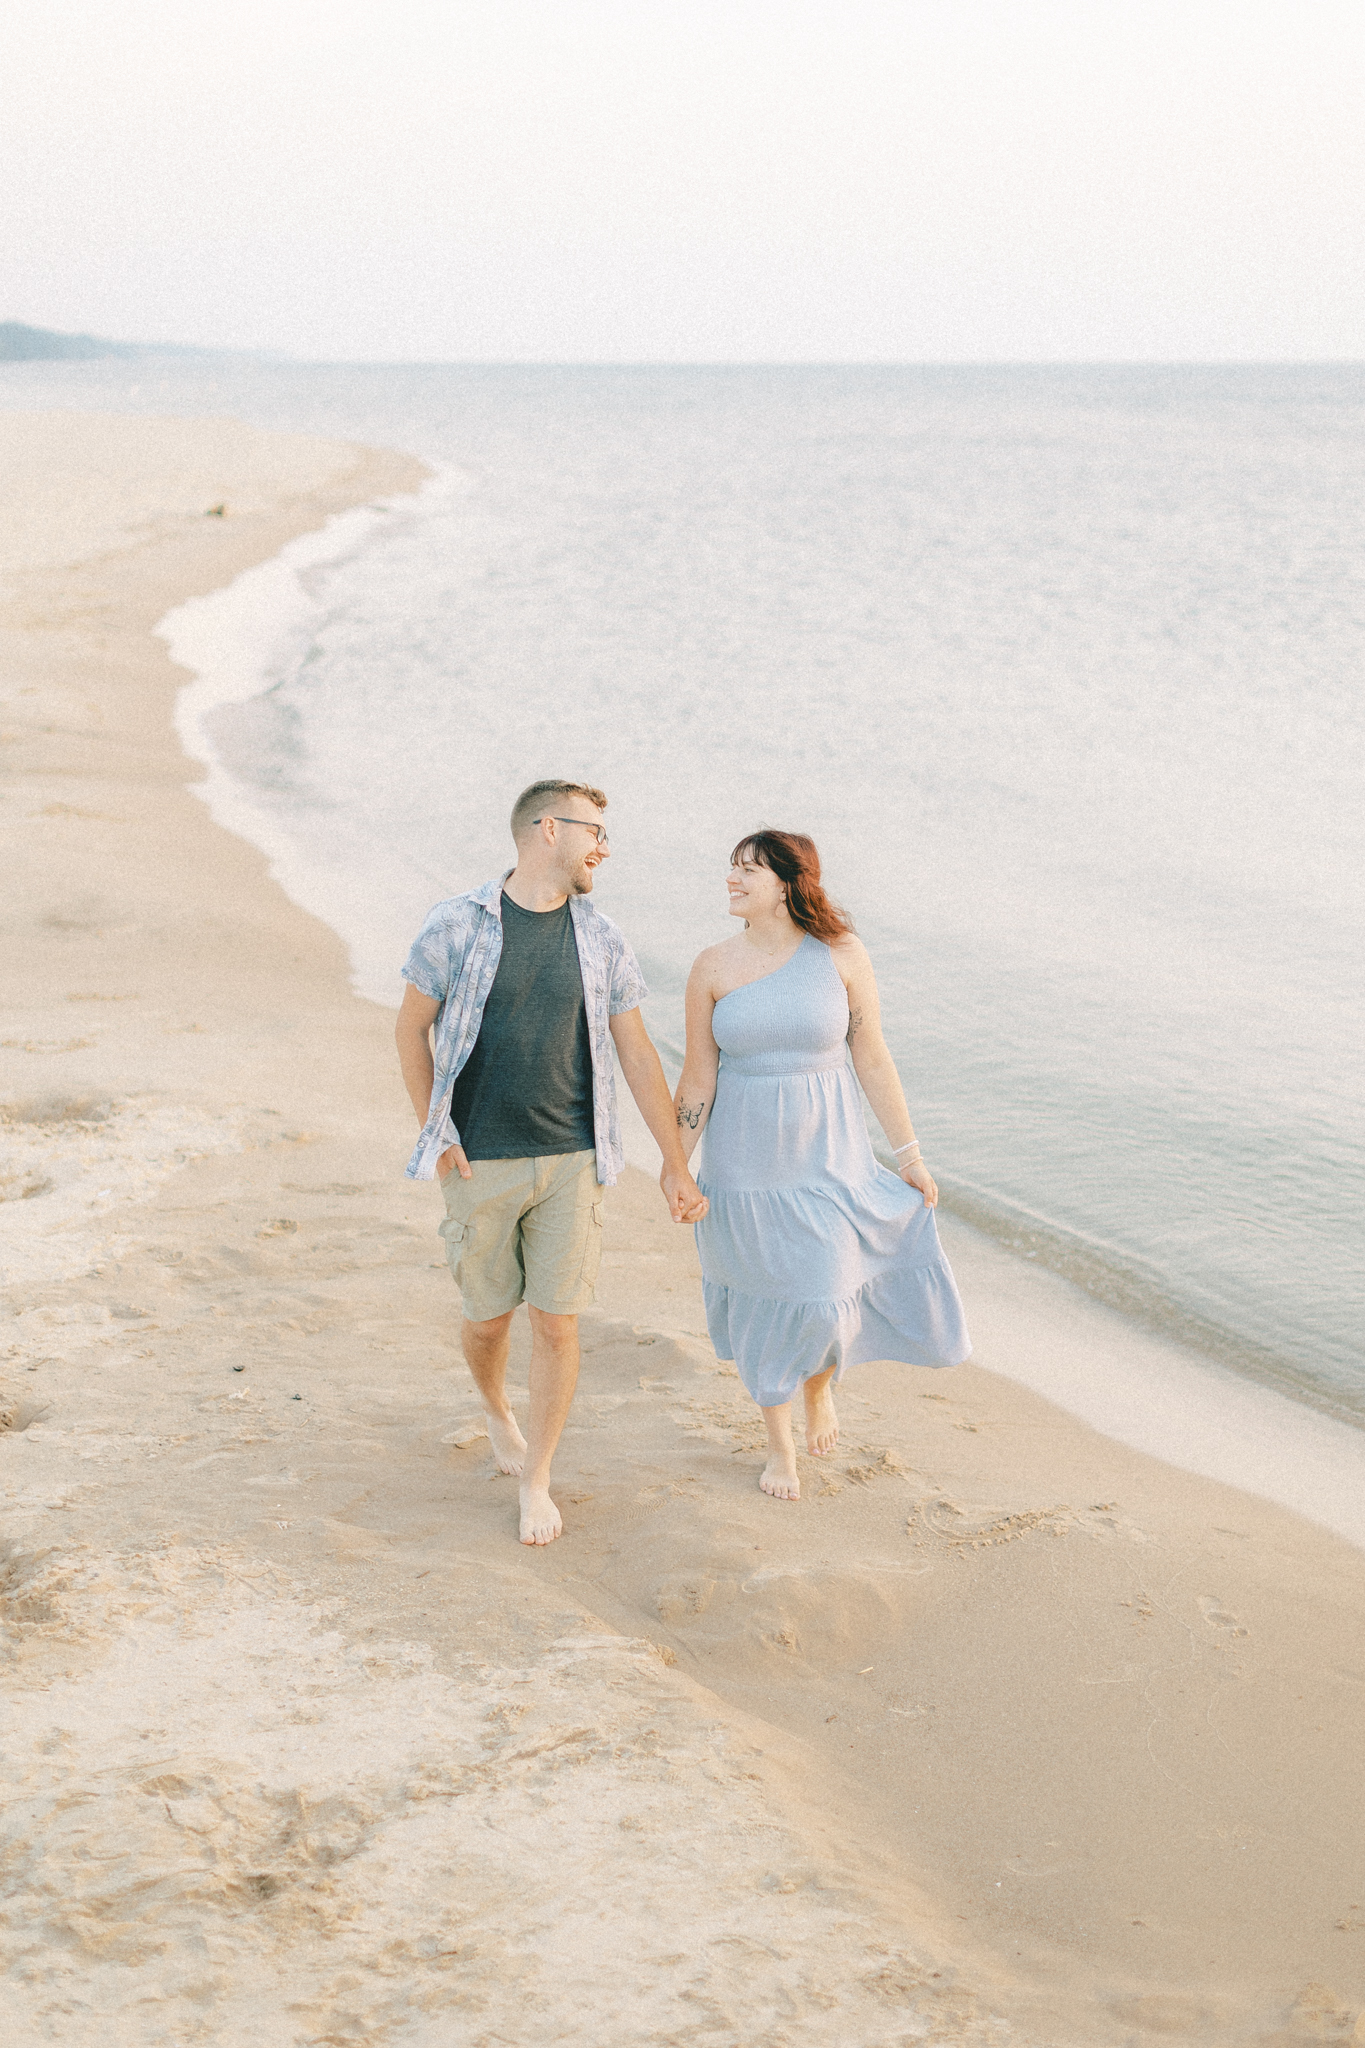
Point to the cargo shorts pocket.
(454, 1233)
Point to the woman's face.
(755, 891)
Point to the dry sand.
(1007, 1734)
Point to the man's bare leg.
(485, 1352)
(778, 1476)
(554, 1375)
(822, 1424)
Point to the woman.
(814, 1257)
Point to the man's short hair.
(532, 801)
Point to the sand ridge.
(1004, 1735)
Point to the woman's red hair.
(794, 860)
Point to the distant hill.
(20, 344)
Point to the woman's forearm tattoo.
(855, 1018)
(691, 1114)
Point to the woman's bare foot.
(822, 1424)
(779, 1474)
(541, 1520)
(509, 1445)
(778, 1477)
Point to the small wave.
(245, 646)
(1134, 1289)
(241, 641)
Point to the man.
(528, 986)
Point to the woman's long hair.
(794, 860)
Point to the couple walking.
(814, 1256)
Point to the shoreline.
(970, 1746)
(235, 640)
(227, 640)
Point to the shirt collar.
(489, 897)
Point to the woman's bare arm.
(873, 1064)
(696, 1090)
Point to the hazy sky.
(634, 180)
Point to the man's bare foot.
(541, 1520)
(778, 1478)
(509, 1445)
(822, 1424)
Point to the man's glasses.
(600, 830)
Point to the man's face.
(579, 852)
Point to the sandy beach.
(1011, 1733)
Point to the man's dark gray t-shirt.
(526, 1089)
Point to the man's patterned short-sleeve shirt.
(453, 960)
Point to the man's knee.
(482, 1335)
(559, 1333)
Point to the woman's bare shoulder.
(709, 967)
(849, 953)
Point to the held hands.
(917, 1175)
(686, 1202)
(453, 1161)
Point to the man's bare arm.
(412, 1033)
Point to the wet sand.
(1006, 1734)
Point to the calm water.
(1061, 667)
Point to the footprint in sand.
(684, 1595)
(888, 1466)
(467, 1433)
(16, 1416)
(983, 1528)
(1217, 1616)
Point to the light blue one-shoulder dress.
(813, 1254)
